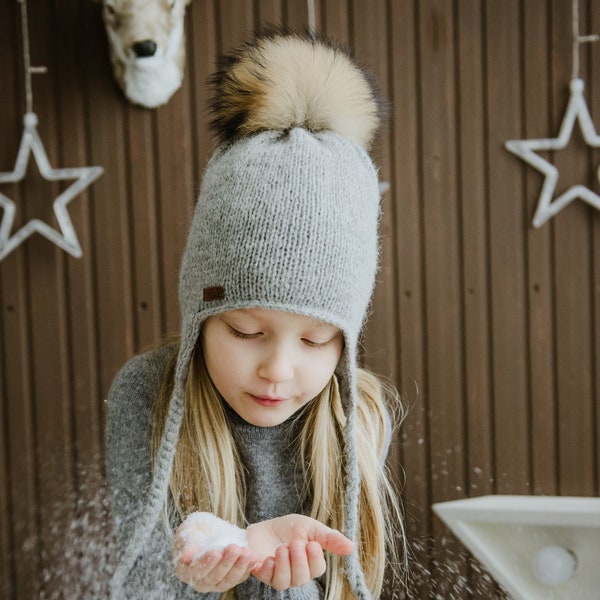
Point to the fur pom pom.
(286, 80)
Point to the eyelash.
(315, 345)
(243, 336)
(250, 336)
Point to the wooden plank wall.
(487, 326)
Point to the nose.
(144, 48)
(276, 366)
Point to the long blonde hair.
(208, 475)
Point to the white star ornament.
(548, 206)
(66, 238)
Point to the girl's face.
(267, 364)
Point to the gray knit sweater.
(273, 482)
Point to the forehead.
(278, 318)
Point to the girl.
(259, 413)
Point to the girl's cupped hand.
(283, 552)
(215, 570)
(291, 549)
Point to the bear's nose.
(144, 48)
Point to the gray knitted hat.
(286, 219)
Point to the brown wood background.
(487, 326)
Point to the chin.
(266, 417)
(265, 421)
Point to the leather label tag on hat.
(213, 293)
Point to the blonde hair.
(207, 472)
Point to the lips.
(269, 401)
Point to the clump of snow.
(203, 531)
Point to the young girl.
(259, 414)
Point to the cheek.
(213, 355)
(226, 362)
(322, 368)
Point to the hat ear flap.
(163, 463)
(347, 381)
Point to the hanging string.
(312, 24)
(29, 70)
(578, 39)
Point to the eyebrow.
(314, 322)
(322, 324)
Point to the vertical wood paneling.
(410, 370)
(373, 50)
(111, 250)
(440, 221)
(536, 121)
(174, 179)
(146, 252)
(202, 60)
(380, 342)
(296, 14)
(7, 310)
(19, 430)
(70, 98)
(50, 394)
(507, 230)
(488, 327)
(474, 214)
(83, 325)
(573, 310)
(475, 250)
(235, 21)
(336, 20)
(594, 96)
(5, 537)
(444, 387)
(19, 435)
(271, 12)
(5, 509)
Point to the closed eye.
(313, 344)
(240, 334)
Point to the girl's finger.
(282, 573)
(264, 572)
(220, 571)
(300, 569)
(186, 552)
(316, 560)
(334, 541)
(239, 571)
(195, 572)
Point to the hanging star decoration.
(66, 238)
(548, 206)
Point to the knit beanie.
(286, 219)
